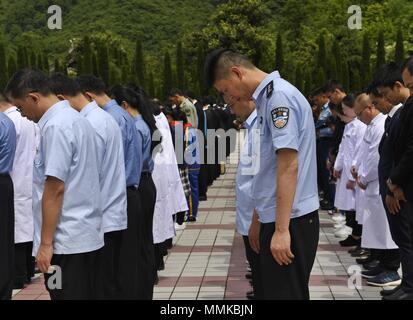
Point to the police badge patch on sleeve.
(280, 117)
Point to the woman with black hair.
(138, 107)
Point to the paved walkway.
(208, 259)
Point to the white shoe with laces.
(344, 232)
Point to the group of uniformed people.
(368, 155)
(89, 186)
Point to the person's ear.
(34, 96)
(398, 86)
(124, 105)
(237, 72)
(89, 96)
(61, 97)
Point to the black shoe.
(369, 274)
(364, 260)
(350, 242)
(18, 286)
(385, 293)
(248, 275)
(191, 219)
(203, 198)
(326, 206)
(361, 253)
(399, 295)
(371, 265)
(250, 295)
(351, 251)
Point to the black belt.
(4, 175)
(146, 175)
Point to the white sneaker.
(339, 225)
(338, 218)
(180, 226)
(344, 232)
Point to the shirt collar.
(53, 110)
(88, 108)
(394, 110)
(272, 76)
(325, 106)
(376, 119)
(112, 103)
(10, 110)
(251, 119)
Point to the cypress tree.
(180, 67)
(337, 58)
(151, 85)
(279, 57)
(167, 74)
(345, 80)
(3, 67)
(95, 70)
(381, 53)
(308, 85)
(46, 64)
(356, 80)
(21, 59)
(57, 67)
(39, 62)
(399, 53)
(139, 64)
(200, 71)
(322, 53)
(320, 77)
(87, 57)
(299, 81)
(33, 60)
(365, 62)
(103, 63)
(11, 66)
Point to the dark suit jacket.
(402, 171)
(386, 153)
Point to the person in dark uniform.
(7, 151)
(399, 197)
(284, 190)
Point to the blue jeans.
(193, 173)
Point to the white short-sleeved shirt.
(68, 152)
(111, 163)
(285, 121)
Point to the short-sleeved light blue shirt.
(285, 121)
(245, 175)
(144, 135)
(68, 152)
(111, 166)
(7, 144)
(133, 155)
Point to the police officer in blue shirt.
(110, 159)
(95, 89)
(246, 112)
(138, 107)
(7, 150)
(66, 192)
(285, 189)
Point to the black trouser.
(180, 217)
(389, 259)
(78, 277)
(322, 155)
(290, 282)
(128, 273)
(6, 237)
(401, 227)
(203, 180)
(352, 223)
(146, 255)
(24, 263)
(254, 261)
(161, 250)
(110, 263)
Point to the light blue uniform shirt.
(285, 121)
(131, 148)
(245, 175)
(145, 140)
(111, 166)
(67, 152)
(7, 144)
(325, 114)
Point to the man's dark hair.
(388, 75)
(317, 92)
(349, 100)
(3, 98)
(331, 86)
(26, 81)
(93, 84)
(336, 107)
(64, 85)
(372, 89)
(218, 62)
(408, 64)
(175, 92)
